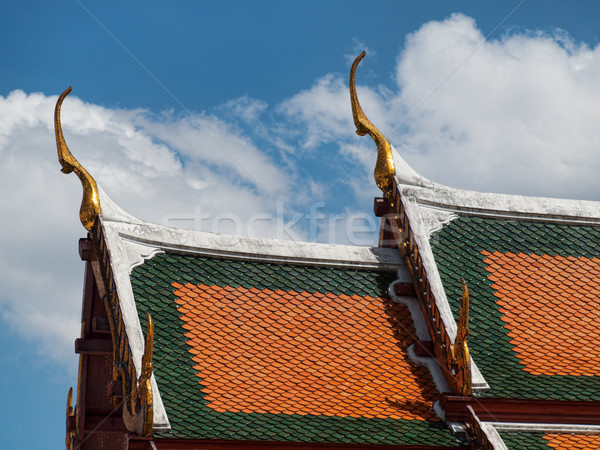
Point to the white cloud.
(358, 46)
(517, 114)
(324, 110)
(247, 108)
(152, 169)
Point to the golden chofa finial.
(90, 204)
(384, 168)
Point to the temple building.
(474, 324)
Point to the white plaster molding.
(504, 206)
(478, 382)
(415, 312)
(422, 238)
(136, 253)
(422, 334)
(460, 201)
(247, 248)
(421, 235)
(403, 276)
(434, 369)
(439, 411)
(491, 429)
(546, 427)
(405, 174)
(434, 219)
(493, 436)
(111, 212)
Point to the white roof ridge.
(406, 175)
(111, 212)
(158, 238)
(414, 186)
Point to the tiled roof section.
(550, 305)
(236, 342)
(496, 258)
(523, 440)
(265, 351)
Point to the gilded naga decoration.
(460, 349)
(138, 411)
(70, 414)
(384, 168)
(90, 204)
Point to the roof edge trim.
(518, 207)
(248, 248)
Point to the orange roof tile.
(565, 441)
(310, 353)
(554, 321)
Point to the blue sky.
(217, 108)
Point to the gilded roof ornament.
(90, 204)
(70, 436)
(144, 386)
(138, 411)
(460, 349)
(384, 168)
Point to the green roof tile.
(489, 342)
(181, 388)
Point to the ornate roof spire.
(384, 168)
(90, 204)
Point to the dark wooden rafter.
(136, 389)
(108, 388)
(94, 411)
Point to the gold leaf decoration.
(460, 349)
(90, 204)
(384, 167)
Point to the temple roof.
(152, 265)
(483, 305)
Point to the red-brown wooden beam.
(85, 249)
(104, 424)
(405, 289)
(524, 411)
(93, 346)
(100, 325)
(424, 349)
(381, 206)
